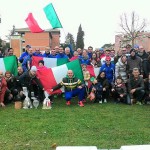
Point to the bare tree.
(131, 28)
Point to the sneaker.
(2, 104)
(68, 103)
(105, 101)
(81, 104)
(132, 101)
(100, 102)
(138, 103)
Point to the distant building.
(23, 36)
(142, 40)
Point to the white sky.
(99, 18)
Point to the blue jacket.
(27, 61)
(23, 56)
(37, 54)
(84, 60)
(52, 56)
(46, 55)
(61, 56)
(109, 71)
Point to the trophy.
(46, 102)
(27, 102)
(36, 102)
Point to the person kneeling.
(119, 91)
(73, 87)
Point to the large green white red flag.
(9, 64)
(50, 77)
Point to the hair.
(90, 47)
(61, 47)
(9, 49)
(98, 77)
(119, 77)
(135, 69)
(8, 72)
(107, 50)
(123, 56)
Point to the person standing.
(134, 62)
(26, 64)
(24, 54)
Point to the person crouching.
(73, 87)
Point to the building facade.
(143, 39)
(23, 37)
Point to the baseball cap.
(107, 58)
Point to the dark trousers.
(138, 95)
(38, 92)
(101, 95)
(117, 98)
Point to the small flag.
(9, 64)
(32, 24)
(52, 16)
(49, 62)
(93, 71)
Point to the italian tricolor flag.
(50, 77)
(93, 71)
(9, 64)
(49, 62)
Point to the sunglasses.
(108, 60)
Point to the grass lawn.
(102, 125)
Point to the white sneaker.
(100, 102)
(105, 101)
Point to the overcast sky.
(99, 18)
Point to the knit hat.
(41, 61)
(136, 46)
(132, 50)
(101, 49)
(33, 68)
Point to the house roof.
(28, 30)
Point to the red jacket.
(3, 88)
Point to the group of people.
(123, 76)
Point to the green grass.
(102, 125)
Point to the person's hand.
(51, 90)
(104, 89)
(121, 95)
(80, 87)
(112, 90)
(132, 91)
(21, 93)
(141, 75)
